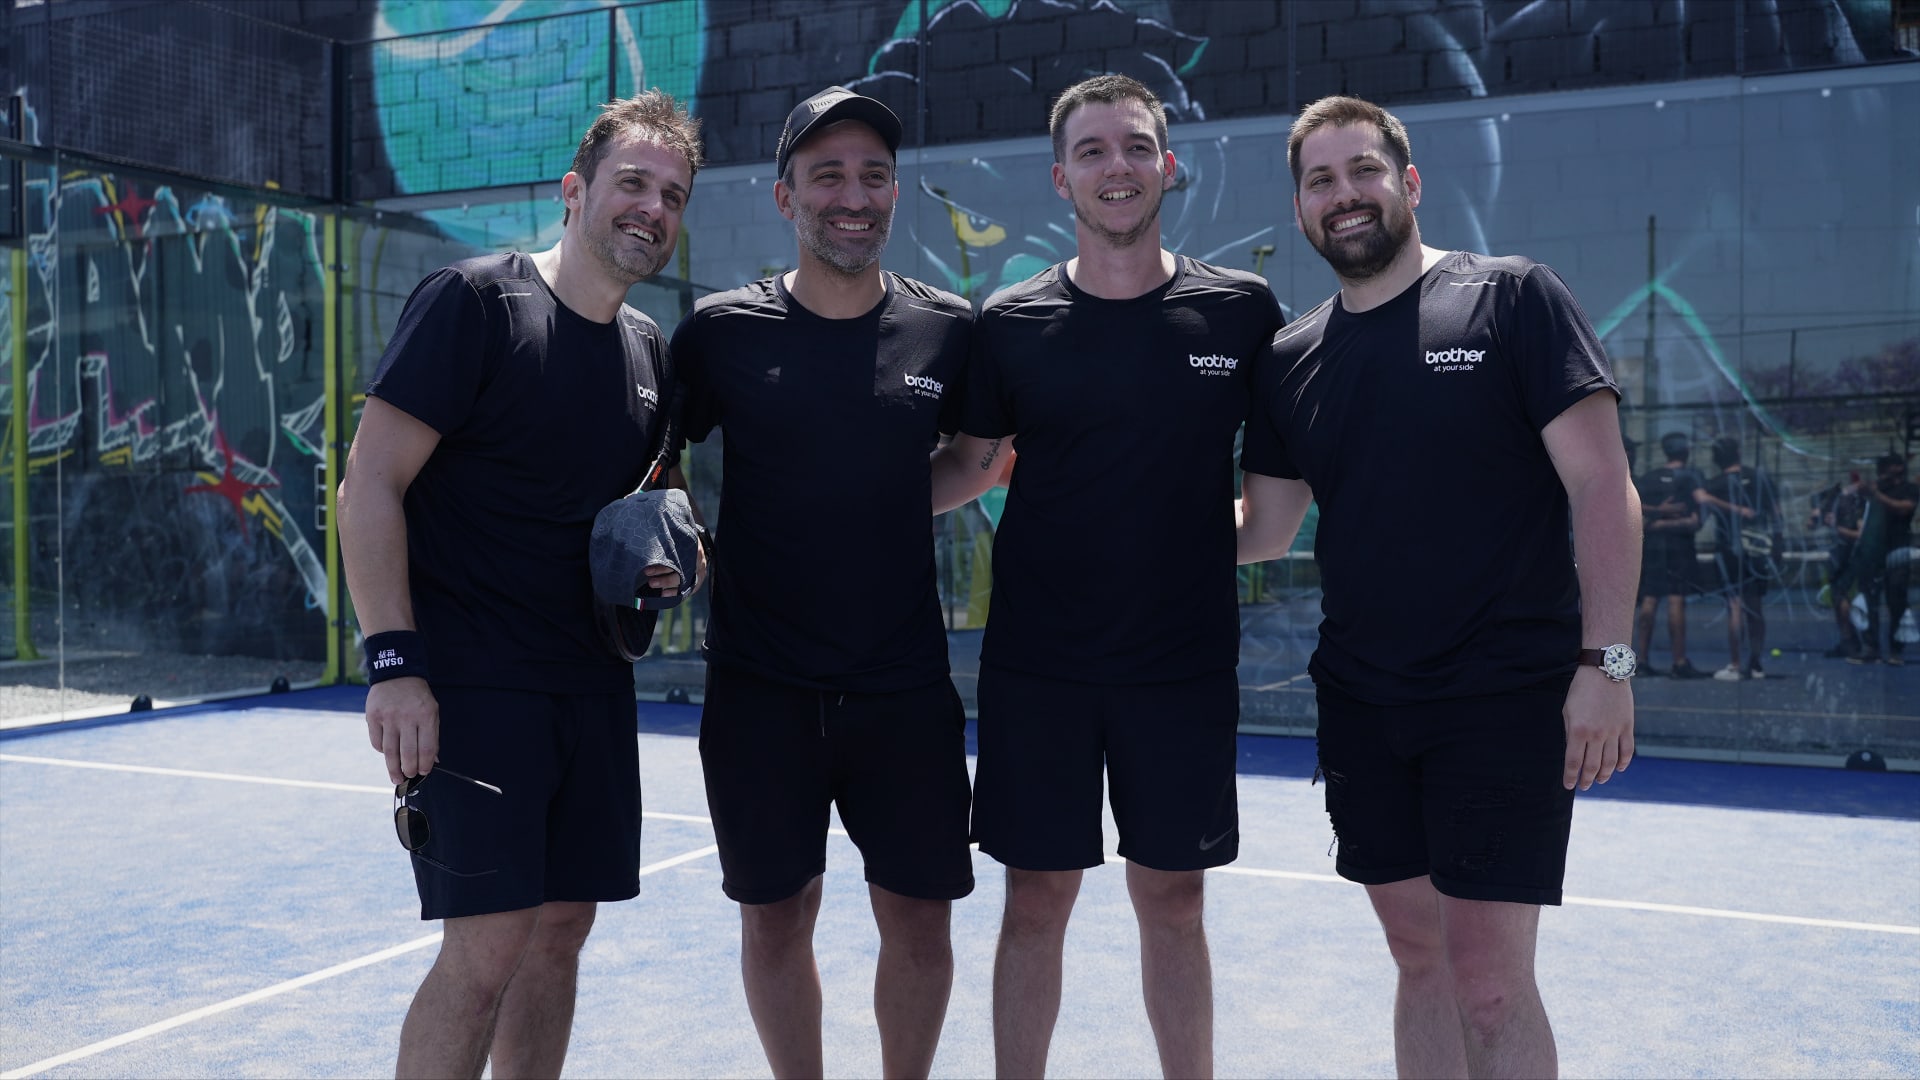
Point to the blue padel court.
(216, 891)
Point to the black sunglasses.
(410, 822)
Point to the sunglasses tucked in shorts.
(565, 822)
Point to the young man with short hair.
(1121, 375)
(1745, 522)
(1669, 519)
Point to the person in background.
(1669, 520)
(1745, 537)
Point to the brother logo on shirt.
(648, 395)
(924, 386)
(1455, 359)
(1213, 365)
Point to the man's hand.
(1599, 719)
(403, 722)
(664, 579)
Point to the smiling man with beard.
(1122, 376)
(518, 396)
(827, 679)
(1469, 677)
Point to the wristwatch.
(1617, 662)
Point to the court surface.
(217, 891)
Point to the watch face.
(1618, 662)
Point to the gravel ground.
(93, 681)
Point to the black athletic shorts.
(1667, 570)
(777, 756)
(1167, 750)
(1465, 791)
(566, 825)
(1745, 574)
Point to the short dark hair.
(1344, 112)
(1895, 460)
(1107, 89)
(1675, 445)
(656, 116)
(1726, 451)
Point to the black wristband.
(396, 654)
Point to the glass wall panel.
(173, 390)
(1745, 248)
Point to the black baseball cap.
(830, 106)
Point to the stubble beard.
(816, 238)
(626, 263)
(1116, 238)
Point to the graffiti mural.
(175, 388)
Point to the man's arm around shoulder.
(1267, 516)
(1584, 443)
(389, 449)
(966, 466)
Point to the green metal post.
(22, 602)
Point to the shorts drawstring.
(823, 710)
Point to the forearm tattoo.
(993, 451)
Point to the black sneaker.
(1896, 660)
(1864, 658)
(1842, 651)
(1684, 669)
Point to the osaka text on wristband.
(396, 654)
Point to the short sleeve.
(1557, 355)
(436, 363)
(987, 415)
(1262, 450)
(698, 412)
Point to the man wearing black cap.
(1669, 519)
(519, 395)
(827, 678)
(1121, 372)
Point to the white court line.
(219, 1007)
(242, 778)
(1625, 905)
(194, 774)
(1750, 916)
(279, 988)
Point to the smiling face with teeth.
(839, 192)
(629, 212)
(1354, 204)
(1114, 171)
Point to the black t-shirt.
(1899, 523)
(1663, 485)
(544, 417)
(1443, 542)
(824, 573)
(1748, 487)
(1114, 559)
